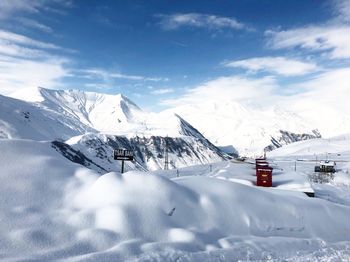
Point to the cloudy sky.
(166, 53)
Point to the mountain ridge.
(250, 130)
(148, 135)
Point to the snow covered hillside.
(243, 128)
(54, 209)
(149, 152)
(333, 147)
(249, 129)
(96, 124)
(99, 111)
(20, 119)
(109, 114)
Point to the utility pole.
(166, 156)
(316, 159)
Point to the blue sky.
(160, 53)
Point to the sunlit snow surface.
(69, 113)
(52, 209)
(246, 127)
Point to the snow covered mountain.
(337, 147)
(98, 123)
(287, 138)
(20, 119)
(101, 112)
(240, 127)
(249, 129)
(95, 151)
(53, 209)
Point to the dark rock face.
(96, 152)
(288, 137)
(76, 156)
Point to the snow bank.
(33, 180)
(53, 209)
(316, 147)
(198, 213)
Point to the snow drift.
(54, 209)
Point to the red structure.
(263, 173)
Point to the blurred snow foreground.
(53, 209)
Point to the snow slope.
(20, 119)
(149, 152)
(53, 209)
(109, 114)
(99, 111)
(33, 182)
(334, 148)
(99, 124)
(248, 128)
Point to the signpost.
(123, 155)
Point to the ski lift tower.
(166, 155)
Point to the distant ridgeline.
(289, 137)
(76, 120)
(95, 151)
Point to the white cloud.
(162, 91)
(322, 101)
(16, 12)
(9, 8)
(174, 21)
(18, 73)
(138, 95)
(10, 38)
(28, 63)
(98, 86)
(20, 51)
(325, 101)
(35, 24)
(334, 38)
(234, 88)
(342, 9)
(280, 65)
(104, 74)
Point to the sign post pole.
(122, 167)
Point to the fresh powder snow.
(54, 209)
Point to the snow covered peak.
(109, 114)
(28, 94)
(249, 128)
(102, 112)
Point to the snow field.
(53, 209)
